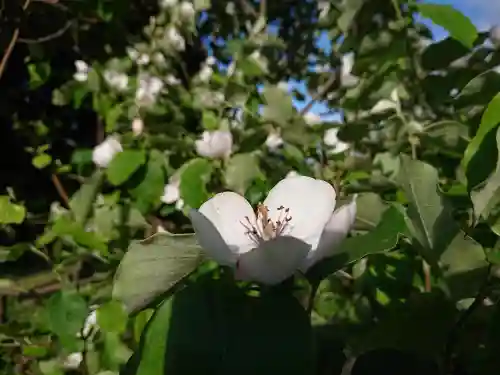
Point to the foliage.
(118, 118)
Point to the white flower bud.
(215, 144)
(137, 126)
(104, 152)
(82, 71)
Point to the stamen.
(267, 229)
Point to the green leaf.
(11, 213)
(210, 120)
(200, 331)
(464, 266)
(486, 196)
(370, 209)
(383, 238)
(39, 74)
(431, 221)
(489, 120)
(201, 5)
(349, 14)
(441, 54)
(194, 176)
(148, 192)
(66, 312)
(152, 267)
(458, 25)
(64, 227)
(41, 161)
(240, 171)
(81, 202)
(124, 164)
(112, 317)
(420, 325)
(279, 108)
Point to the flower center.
(264, 228)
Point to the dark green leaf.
(124, 164)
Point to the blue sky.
(483, 13)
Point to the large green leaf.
(153, 266)
(124, 164)
(490, 120)
(486, 196)
(211, 327)
(459, 26)
(241, 169)
(431, 222)
(384, 237)
(66, 312)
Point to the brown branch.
(49, 37)
(12, 43)
(60, 189)
(320, 94)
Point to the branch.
(11, 45)
(49, 37)
(320, 94)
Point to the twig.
(49, 37)
(11, 45)
(453, 335)
(319, 95)
(427, 276)
(60, 190)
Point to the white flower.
(132, 53)
(294, 228)
(90, 323)
(116, 80)
(211, 60)
(72, 361)
(331, 139)
(186, 10)
(215, 144)
(171, 192)
(149, 88)
(172, 80)
(82, 71)
(346, 78)
(137, 126)
(495, 35)
(312, 118)
(283, 85)
(159, 58)
(292, 173)
(274, 141)
(104, 152)
(168, 3)
(175, 39)
(205, 74)
(143, 59)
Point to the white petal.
(73, 361)
(273, 261)
(310, 202)
(333, 234)
(171, 193)
(227, 213)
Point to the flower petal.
(226, 212)
(333, 234)
(310, 202)
(211, 240)
(273, 261)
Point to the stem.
(426, 268)
(454, 333)
(312, 295)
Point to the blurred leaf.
(112, 317)
(279, 108)
(152, 267)
(370, 210)
(459, 26)
(240, 171)
(441, 54)
(194, 176)
(81, 202)
(66, 312)
(198, 337)
(210, 120)
(124, 164)
(41, 161)
(201, 5)
(39, 73)
(11, 213)
(420, 325)
(148, 192)
(351, 8)
(384, 237)
(486, 196)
